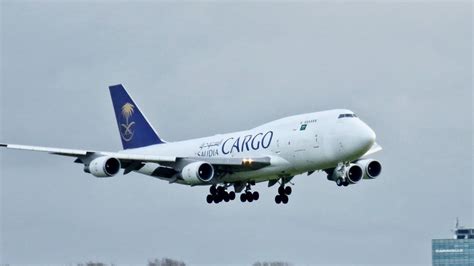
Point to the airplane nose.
(371, 136)
(354, 139)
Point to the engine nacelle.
(197, 173)
(371, 167)
(103, 166)
(352, 173)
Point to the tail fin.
(135, 130)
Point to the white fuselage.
(295, 144)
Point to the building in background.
(457, 251)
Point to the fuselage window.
(346, 115)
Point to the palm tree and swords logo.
(127, 130)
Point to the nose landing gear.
(342, 182)
(339, 182)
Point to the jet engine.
(352, 173)
(103, 166)
(197, 172)
(371, 167)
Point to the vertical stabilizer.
(135, 130)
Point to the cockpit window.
(346, 115)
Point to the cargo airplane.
(335, 141)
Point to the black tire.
(277, 199)
(339, 182)
(226, 197)
(232, 195)
(242, 197)
(216, 199)
(288, 190)
(220, 189)
(284, 199)
(209, 198)
(255, 195)
(213, 190)
(249, 196)
(281, 190)
(345, 183)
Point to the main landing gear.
(248, 195)
(218, 194)
(283, 193)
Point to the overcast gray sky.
(200, 69)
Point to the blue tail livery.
(135, 130)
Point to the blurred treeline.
(172, 262)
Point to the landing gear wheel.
(249, 196)
(339, 182)
(213, 190)
(281, 190)
(220, 189)
(232, 195)
(255, 195)
(217, 199)
(288, 190)
(242, 197)
(209, 198)
(284, 199)
(277, 199)
(345, 183)
(226, 197)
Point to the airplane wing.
(65, 152)
(136, 160)
(87, 153)
(375, 148)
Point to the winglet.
(135, 130)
